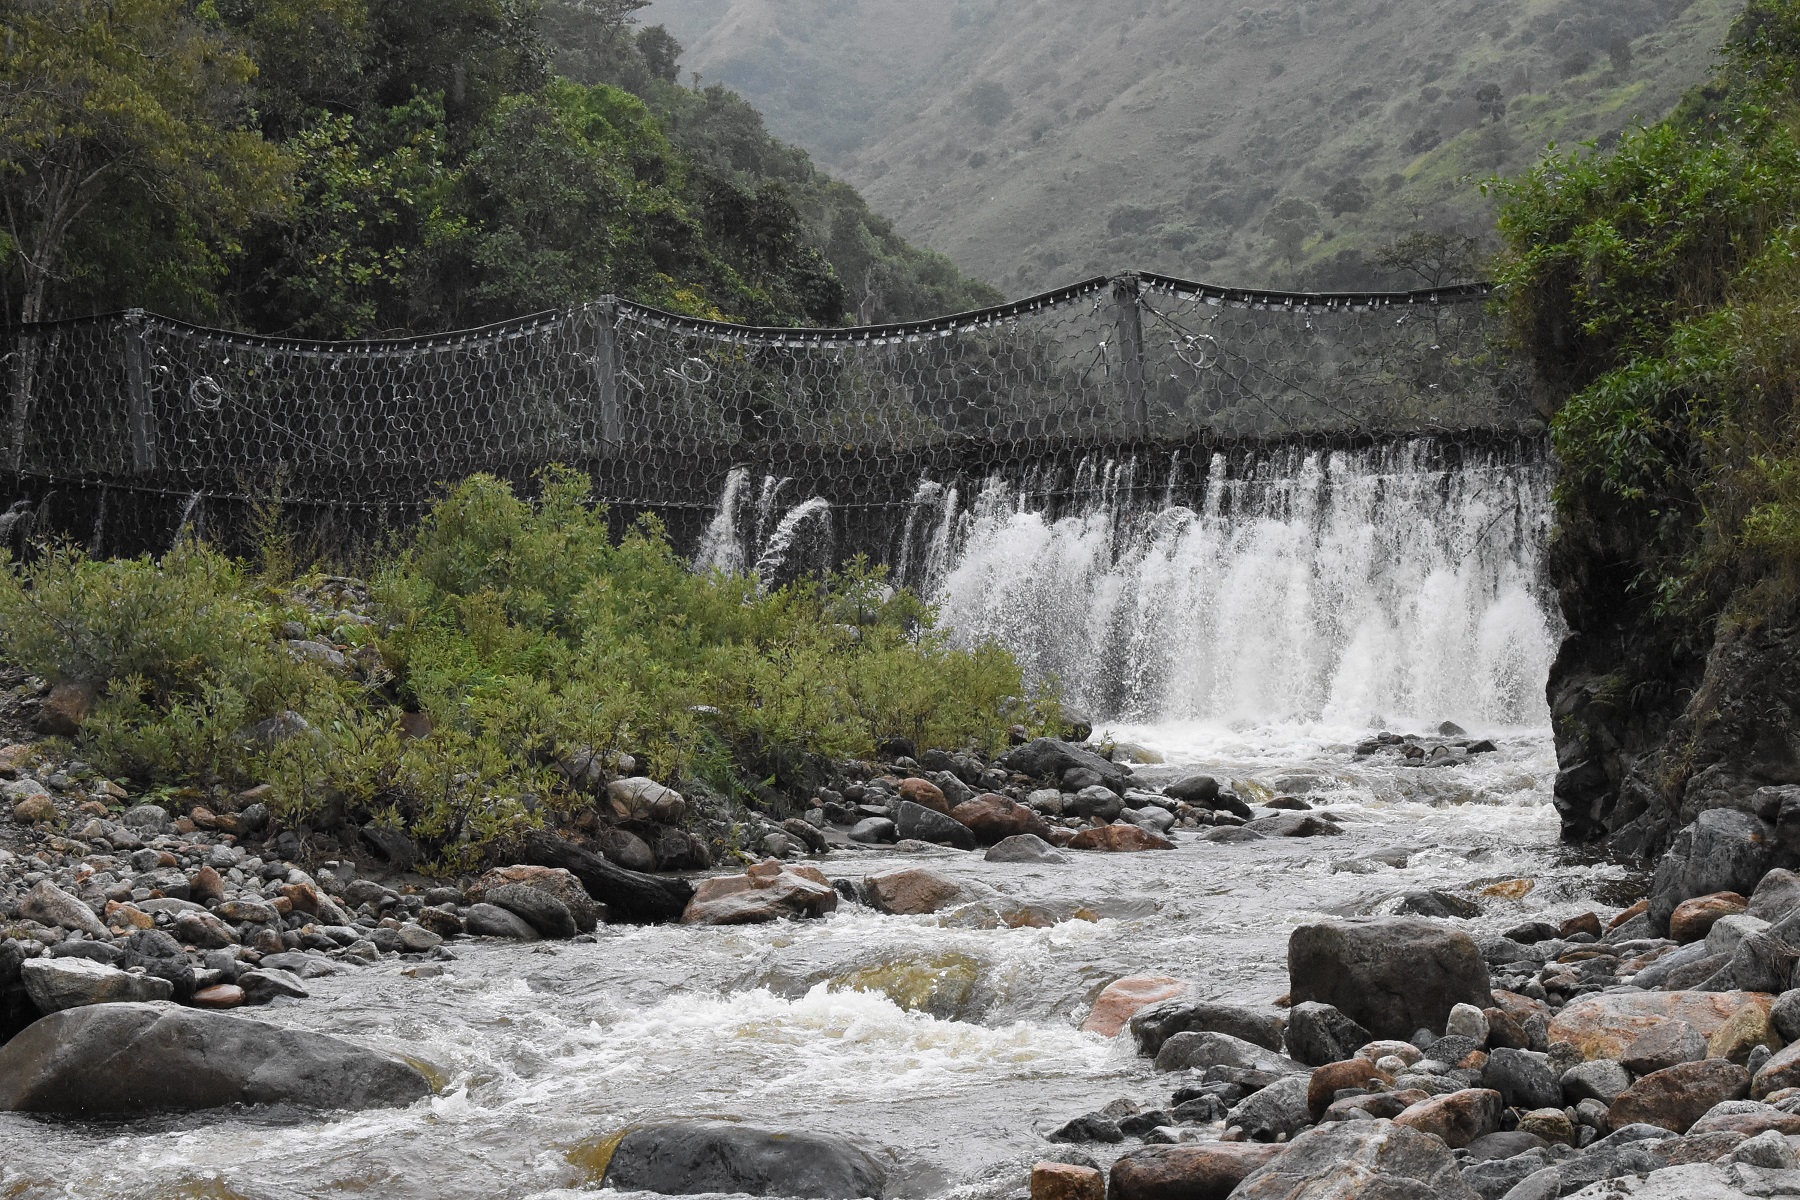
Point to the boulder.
(641, 799)
(913, 891)
(874, 831)
(1606, 1024)
(1784, 1014)
(1095, 800)
(1693, 919)
(1123, 999)
(1392, 975)
(768, 891)
(58, 983)
(1025, 848)
(1066, 1181)
(268, 983)
(1198, 1051)
(1292, 824)
(925, 793)
(1119, 839)
(1662, 1046)
(1328, 1080)
(1048, 758)
(1346, 1160)
(1724, 850)
(993, 818)
(490, 920)
(685, 1158)
(1318, 1034)
(1274, 1113)
(1740, 1035)
(623, 848)
(923, 824)
(48, 904)
(1781, 1071)
(1155, 1025)
(1456, 1118)
(1198, 1172)
(1675, 1097)
(68, 706)
(1202, 791)
(1776, 897)
(1746, 1117)
(1523, 1078)
(1600, 1079)
(552, 880)
(154, 952)
(133, 1058)
(538, 909)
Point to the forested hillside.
(342, 168)
(1039, 141)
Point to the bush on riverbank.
(541, 653)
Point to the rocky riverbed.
(943, 1021)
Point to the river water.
(1312, 607)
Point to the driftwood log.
(632, 895)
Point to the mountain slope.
(1035, 141)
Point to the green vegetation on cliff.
(342, 168)
(539, 650)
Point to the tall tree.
(126, 111)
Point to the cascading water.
(1351, 586)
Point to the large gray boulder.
(58, 983)
(1048, 758)
(546, 914)
(1346, 1159)
(1153, 1026)
(1724, 850)
(1276, 1112)
(686, 1158)
(1198, 1051)
(1391, 975)
(927, 825)
(1318, 1034)
(132, 1058)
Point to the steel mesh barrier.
(138, 426)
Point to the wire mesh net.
(661, 409)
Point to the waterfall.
(1346, 586)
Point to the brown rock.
(36, 807)
(923, 791)
(1698, 1147)
(119, 915)
(993, 818)
(1675, 1097)
(768, 891)
(1781, 1071)
(1504, 1032)
(65, 709)
(912, 891)
(1066, 1181)
(1662, 1046)
(1387, 1105)
(1510, 889)
(1521, 1008)
(441, 921)
(1119, 839)
(219, 995)
(1329, 1079)
(415, 725)
(203, 817)
(205, 886)
(264, 940)
(1124, 998)
(1694, 919)
(302, 896)
(1551, 1124)
(554, 881)
(1359, 1160)
(1742, 1032)
(1634, 910)
(1587, 922)
(1749, 1123)
(1456, 1118)
(1192, 1172)
(204, 930)
(240, 911)
(1605, 1024)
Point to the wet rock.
(1119, 839)
(442, 921)
(490, 920)
(1346, 1160)
(874, 831)
(1123, 999)
(1048, 758)
(1066, 1181)
(679, 850)
(1693, 919)
(1155, 1025)
(130, 1058)
(768, 891)
(55, 984)
(928, 825)
(553, 881)
(1196, 1172)
(1457, 1118)
(1318, 1034)
(271, 983)
(1090, 1127)
(539, 909)
(993, 818)
(1601, 1079)
(638, 798)
(1391, 975)
(50, 905)
(623, 848)
(913, 891)
(1435, 902)
(1724, 850)
(1025, 848)
(1294, 825)
(1675, 1097)
(1095, 800)
(1273, 1113)
(1198, 1051)
(154, 952)
(1607, 1024)
(219, 996)
(1523, 1078)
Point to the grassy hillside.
(1035, 141)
